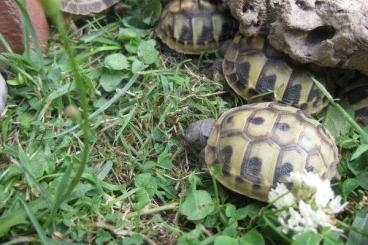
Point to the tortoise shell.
(357, 96)
(86, 7)
(258, 145)
(195, 26)
(252, 68)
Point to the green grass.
(143, 184)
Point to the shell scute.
(287, 129)
(259, 124)
(315, 163)
(310, 140)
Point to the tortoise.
(256, 72)
(195, 26)
(357, 96)
(257, 145)
(3, 94)
(86, 7)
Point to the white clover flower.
(311, 203)
(284, 226)
(309, 220)
(335, 205)
(324, 194)
(323, 219)
(295, 220)
(287, 198)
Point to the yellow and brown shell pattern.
(252, 68)
(195, 26)
(258, 145)
(86, 7)
(357, 96)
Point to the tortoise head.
(198, 132)
(218, 75)
(224, 47)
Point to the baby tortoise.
(195, 26)
(253, 69)
(258, 145)
(357, 96)
(86, 7)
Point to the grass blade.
(53, 10)
(29, 29)
(5, 44)
(35, 223)
(346, 115)
(59, 194)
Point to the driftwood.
(329, 33)
(11, 26)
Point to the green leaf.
(194, 181)
(164, 161)
(133, 240)
(238, 214)
(348, 186)
(81, 190)
(225, 240)
(105, 170)
(360, 151)
(25, 120)
(110, 80)
(38, 164)
(116, 62)
(147, 182)
(152, 12)
(357, 166)
(230, 211)
(230, 229)
(142, 199)
(128, 34)
(360, 224)
(147, 52)
(253, 237)
(332, 238)
(251, 210)
(362, 180)
(188, 239)
(16, 215)
(138, 66)
(102, 237)
(197, 205)
(307, 238)
(132, 46)
(335, 123)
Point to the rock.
(251, 14)
(11, 26)
(328, 33)
(3, 94)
